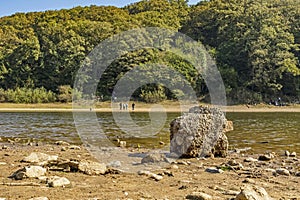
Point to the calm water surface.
(260, 131)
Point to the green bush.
(27, 95)
(153, 96)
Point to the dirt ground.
(185, 179)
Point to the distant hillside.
(256, 45)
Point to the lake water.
(260, 131)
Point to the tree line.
(256, 45)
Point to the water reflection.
(260, 131)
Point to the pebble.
(150, 174)
(214, 170)
(250, 159)
(199, 196)
(282, 171)
(3, 163)
(63, 143)
(287, 153)
(74, 147)
(293, 154)
(122, 144)
(5, 147)
(174, 167)
(266, 157)
(270, 170)
(181, 162)
(56, 181)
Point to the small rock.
(270, 170)
(181, 162)
(154, 158)
(150, 174)
(198, 196)
(3, 163)
(293, 154)
(64, 149)
(2, 198)
(122, 144)
(92, 168)
(74, 147)
(249, 159)
(266, 157)
(156, 177)
(287, 153)
(39, 198)
(62, 143)
(297, 174)
(29, 172)
(5, 147)
(144, 172)
(56, 181)
(174, 167)
(39, 158)
(282, 171)
(252, 192)
(161, 143)
(214, 170)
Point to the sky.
(9, 7)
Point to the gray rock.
(199, 196)
(154, 158)
(199, 133)
(39, 158)
(92, 168)
(56, 181)
(282, 171)
(252, 192)
(29, 172)
(3, 163)
(214, 170)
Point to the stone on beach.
(29, 172)
(200, 133)
(199, 196)
(39, 158)
(57, 181)
(252, 192)
(92, 168)
(154, 158)
(39, 198)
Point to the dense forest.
(256, 45)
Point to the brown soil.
(185, 180)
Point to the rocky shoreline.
(64, 171)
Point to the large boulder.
(200, 133)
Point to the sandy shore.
(171, 107)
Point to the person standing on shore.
(132, 106)
(121, 105)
